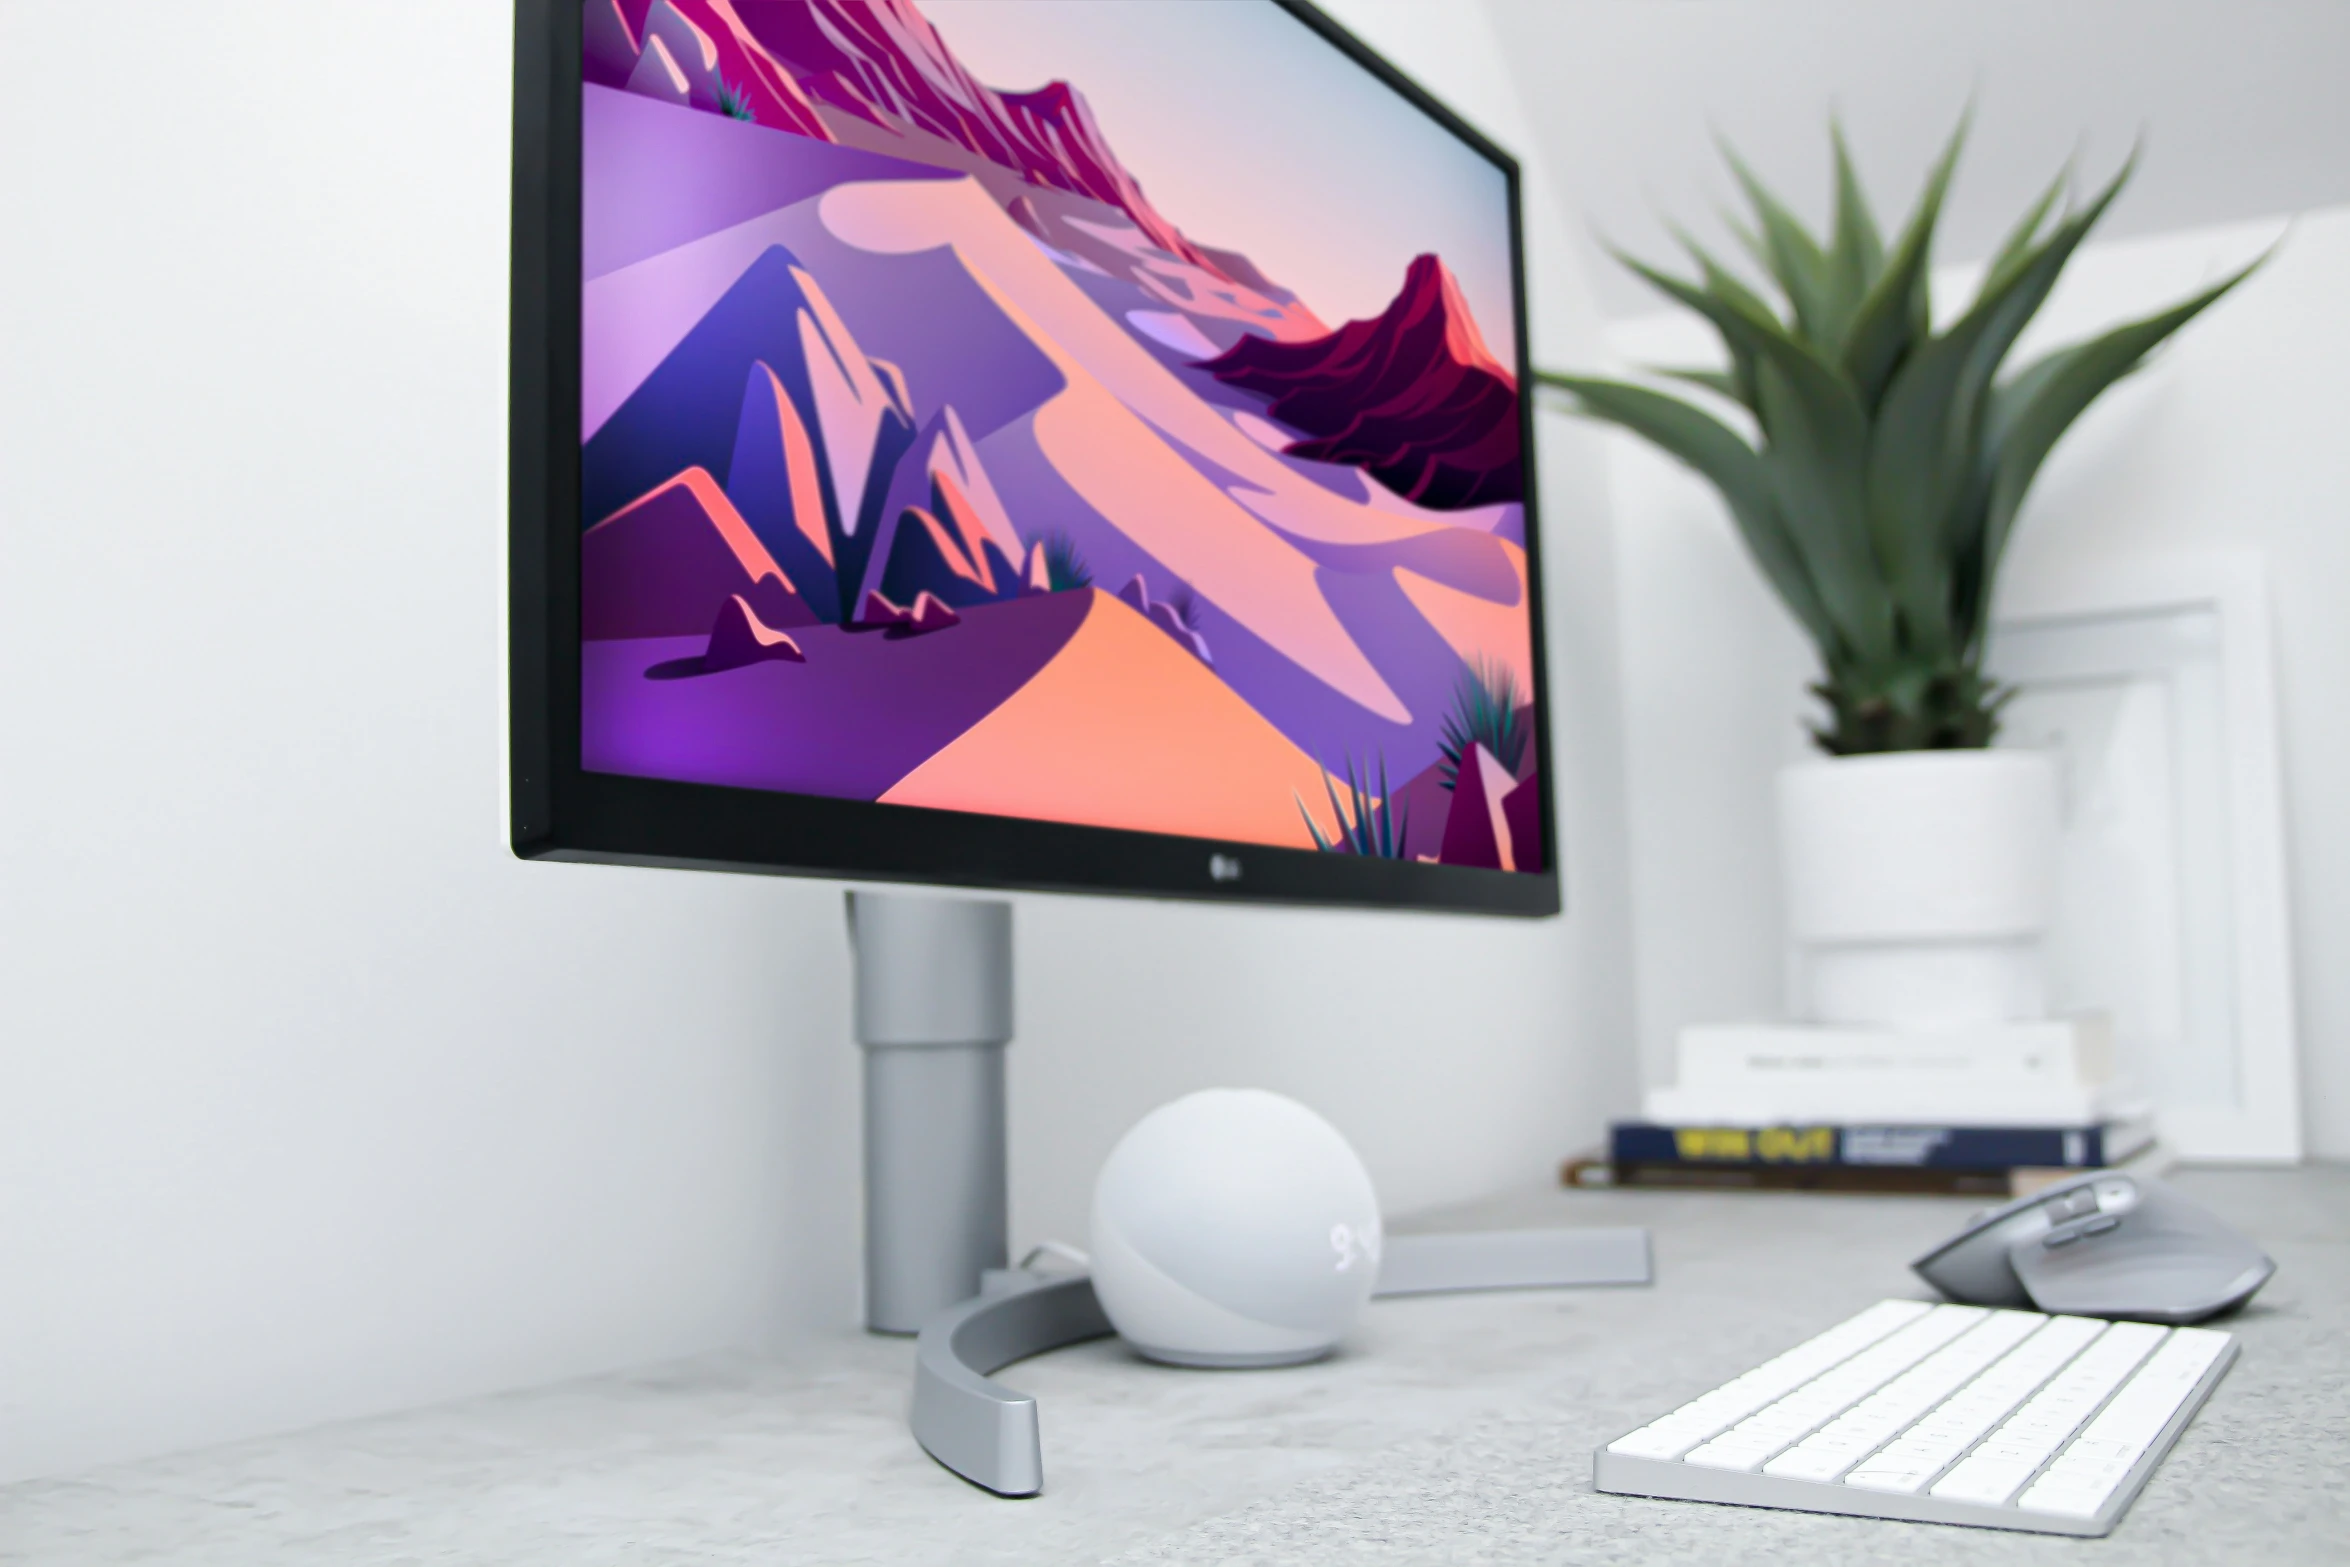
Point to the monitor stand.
(988, 1433)
(933, 1014)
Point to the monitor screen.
(1024, 415)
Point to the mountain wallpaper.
(925, 460)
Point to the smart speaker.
(1234, 1227)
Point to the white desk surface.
(1453, 1429)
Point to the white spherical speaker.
(1234, 1227)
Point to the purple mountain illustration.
(1413, 396)
(944, 529)
(662, 51)
(882, 61)
(740, 637)
(664, 566)
(1478, 829)
(772, 341)
(876, 74)
(777, 480)
(884, 370)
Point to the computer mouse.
(2101, 1245)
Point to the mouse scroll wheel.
(2066, 1234)
(2072, 1205)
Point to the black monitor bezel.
(560, 811)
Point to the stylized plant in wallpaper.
(1064, 564)
(1484, 712)
(1370, 824)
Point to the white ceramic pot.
(1920, 886)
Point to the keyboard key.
(1810, 1463)
(1649, 1442)
(1907, 1479)
(1982, 1479)
(2060, 1503)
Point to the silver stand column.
(934, 1012)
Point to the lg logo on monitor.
(1223, 867)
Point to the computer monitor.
(1023, 445)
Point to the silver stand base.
(987, 1433)
(1264, 1361)
(1513, 1260)
(983, 1430)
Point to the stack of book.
(1996, 1110)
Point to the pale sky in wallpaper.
(1252, 134)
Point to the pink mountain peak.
(1430, 289)
(1477, 830)
(876, 609)
(882, 61)
(663, 564)
(738, 637)
(1060, 118)
(929, 612)
(1412, 395)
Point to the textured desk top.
(1454, 1429)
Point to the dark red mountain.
(1412, 396)
(882, 61)
(709, 52)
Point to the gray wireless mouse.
(2100, 1245)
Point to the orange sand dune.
(1125, 729)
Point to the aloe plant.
(1889, 460)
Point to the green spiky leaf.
(1856, 254)
(2018, 243)
(1792, 255)
(2043, 403)
(1714, 450)
(1898, 309)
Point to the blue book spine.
(1917, 1147)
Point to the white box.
(2055, 1072)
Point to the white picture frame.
(2153, 683)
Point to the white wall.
(2232, 437)
(313, 1100)
(2239, 103)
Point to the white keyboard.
(1937, 1414)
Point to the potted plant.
(1875, 468)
